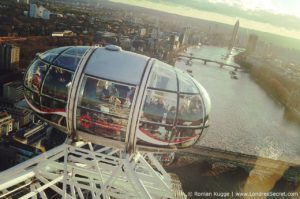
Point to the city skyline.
(266, 17)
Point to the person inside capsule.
(108, 93)
(158, 116)
(190, 116)
(195, 111)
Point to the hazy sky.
(290, 7)
(281, 17)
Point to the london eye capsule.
(118, 98)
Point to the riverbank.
(197, 175)
(244, 122)
(275, 82)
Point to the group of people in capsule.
(108, 93)
(158, 115)
(164, 123)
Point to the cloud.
(219, 11)
(253, 5)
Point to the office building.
(13, 91)
(252, 42)
(6, 123)
(9, 57)
(21, 117)
(232, 42)
(184, 40)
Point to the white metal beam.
(75, 172)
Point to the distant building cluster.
(39, 12)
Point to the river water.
(244, 118)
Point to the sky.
(289, 7)
(280, 17)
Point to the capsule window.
(158, 115)
(50, 55)
(163, 77)
(33, 98)
(51, 105)
(186, 84)
(98, 123)
(190, 112)
(70, 58)
(57, 83)
(35, 75)
(104, 107)
(107, 96)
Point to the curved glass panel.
(185, 136)
(106, 96)
(205, 99)
(104, 107)
(33, 98)
(157, 104)
(163, 77)
(186, 84)
(118, 66)
(50, 55)
(190, 112)
(57, 83)
(100, 124)
(35, 75)
(70, 58)
(51, 105)
(77, 51)
(158, 116)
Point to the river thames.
(244, 118)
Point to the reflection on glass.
(186, 84)
(161, 124)
(206, 101)
(163, 77)
(104, 107)
(57, 83)
(107, 97)
(101, 124)
(159, 114)
(33, 98)
(190, 112)
(50, 55)
(52, 105)
(35, 75)
(70, 58)
(157, 105)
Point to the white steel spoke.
(72, 171)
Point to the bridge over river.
(206, 60)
